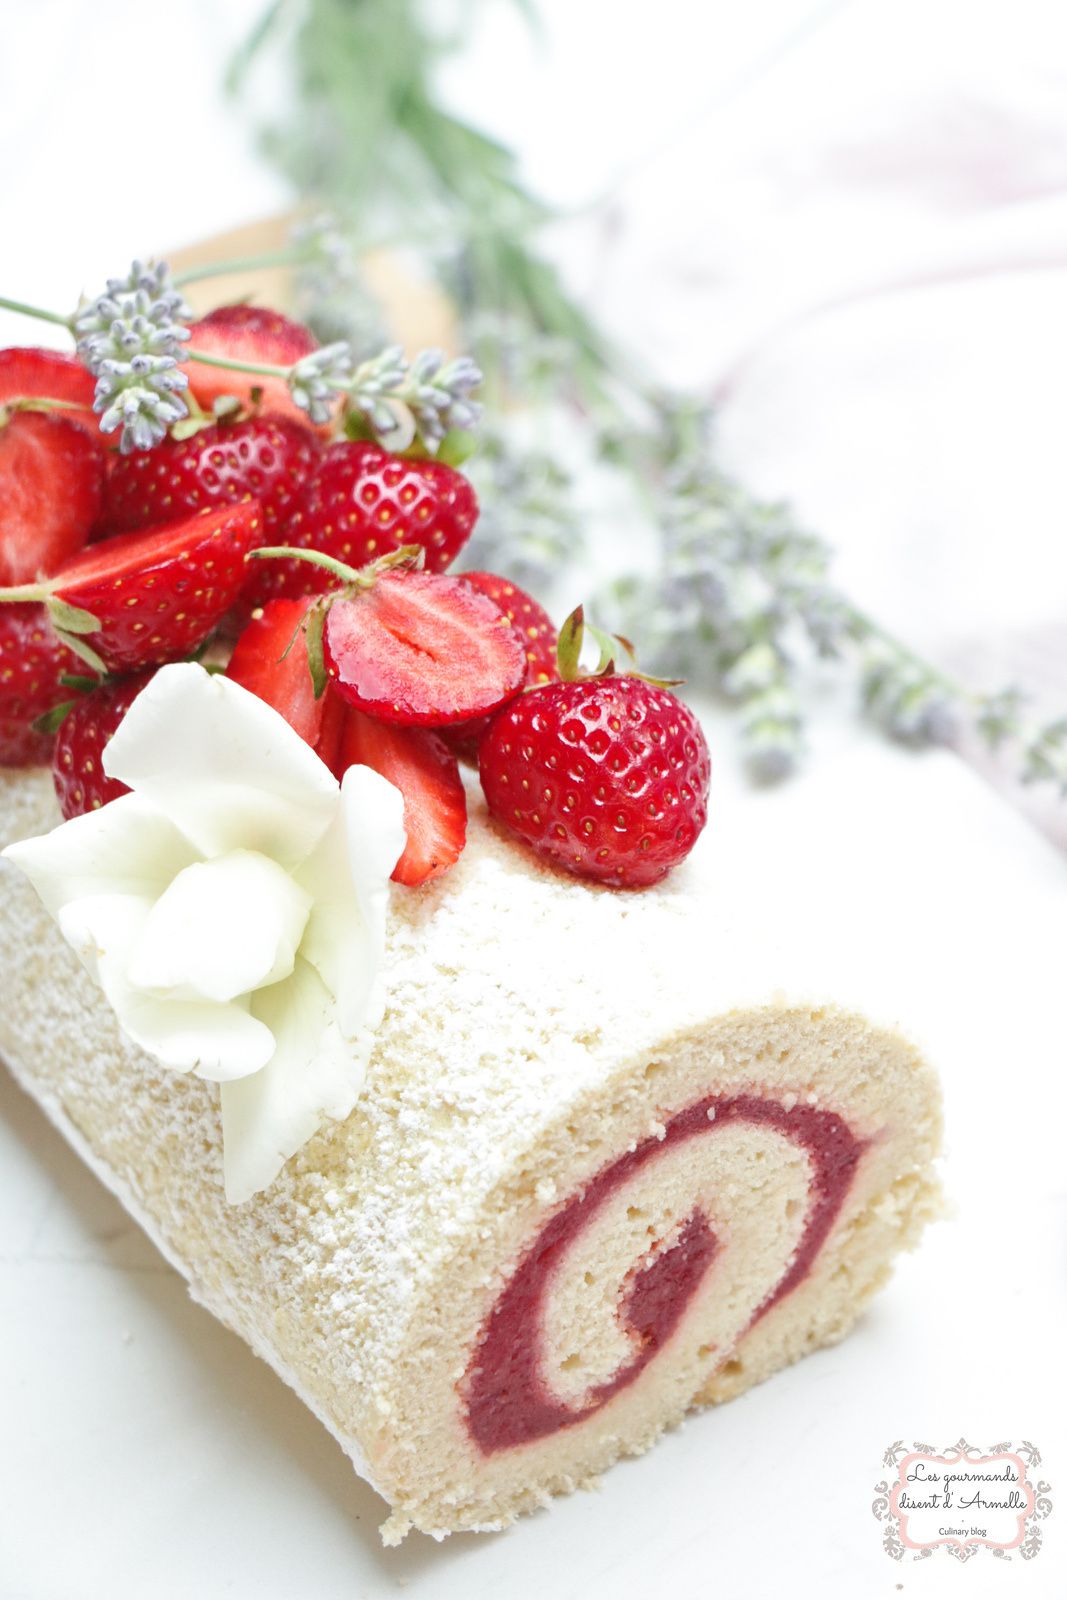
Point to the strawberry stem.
(569, 651)
(408, 555)
(315, 558)
(30, 592)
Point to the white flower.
(232, 908)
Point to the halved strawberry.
(271, 660)
(247, 333)
(51, 489)
(27, 373)
(427, 775)
(331, 731)
(420, 648)
(539, 637)
(77, 762)
(154, 595)
(32, 660)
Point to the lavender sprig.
(905, 697)
(529, 526)
(426, 397)
(316, 378)
(742, 603)
(400, 400)
(1045, 755)
(131, 338)
(322, 247)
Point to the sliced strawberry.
(271, 660)
(32, 661)
(331, 732)
(51, 490)
(427, 775)
(77, 762)
(30, 374)
(420, 648)
(247, 333)
(539, 639)
(157, 594)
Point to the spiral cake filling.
(517, 1390)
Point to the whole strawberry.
(267, 458)
(32, 661)
(247, 333)
(605, 776)
(77, 761)
(361, 503)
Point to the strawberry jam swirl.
(507, 1400)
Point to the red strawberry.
(27, 373)
(158, 593)
(77, 762)
(247, 333)
(270, 659)
(532, 621)
(605, 776)
(51, 489)
(31, 662)
(538, 634)
(435, 802)
(264, 457)
(420, 648)
(361, 503)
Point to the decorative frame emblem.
(962, 1499)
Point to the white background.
(849, 223)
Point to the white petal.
(214, 1041)
(227, 770)
(348, 879)
(221, 929)
(313, 1074)
(124, 848)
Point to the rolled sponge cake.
(616, 1158)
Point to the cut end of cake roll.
(714, 1212)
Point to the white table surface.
(148, 1453)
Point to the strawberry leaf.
(83, 651)
(314, 623)
(457, 446)
(569, 648)
(71, 619)
(74, 680)
(50, 721)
